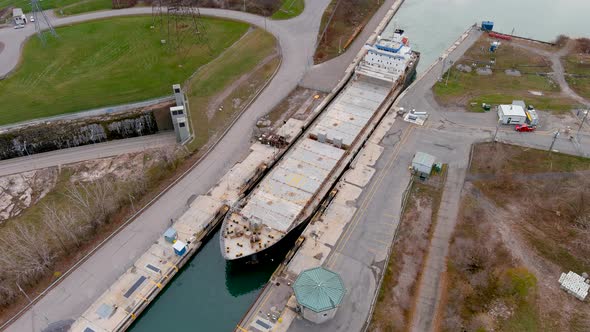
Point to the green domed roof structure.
(319, 289)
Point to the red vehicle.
(524, 128)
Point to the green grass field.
(578, 64)
(85, 6)
(45, 4)
(471, 90)
(216, 76)
(289, 9)
(94, 64)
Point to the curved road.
(81, 287)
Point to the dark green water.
(207, 296)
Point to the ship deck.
(277, 203)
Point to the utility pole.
(582, 123)
(449, 73)
(244, 5)
(442, 71)
(497, 127)
(555, 136)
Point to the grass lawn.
(289, 9)
(470, 90)
(85, 6)
(45, 4)
(219, 74)
(93, 64)
(578, 64)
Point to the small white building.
(319, 292)
(18, 16)
(422, 164)
(511, 114)
(575, 285)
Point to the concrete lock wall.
(67, 134)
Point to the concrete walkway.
(83, 285)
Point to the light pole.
(449, 73)
(582, 123)
(497, 127)
(442, 71)
(555, 136)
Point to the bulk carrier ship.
(286, 198)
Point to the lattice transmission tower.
(179, 22)
(40, 17)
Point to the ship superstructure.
(291, 191)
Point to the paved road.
(81, 153)
(78, 290)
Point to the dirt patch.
(216, 104)
(516, 234)
(398, 292)
(125, 167)
(19, 191)
(504, 160)
(342, 21)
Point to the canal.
(208, 295)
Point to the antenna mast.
(38, 15)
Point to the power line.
(38, 15)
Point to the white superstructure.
(388, 59)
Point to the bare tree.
(26, 254)
(64, 225)
(94, 200)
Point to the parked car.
(19, 26)
(524, 128)
(32, 19)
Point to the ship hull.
(280, 248)
(275, 251)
